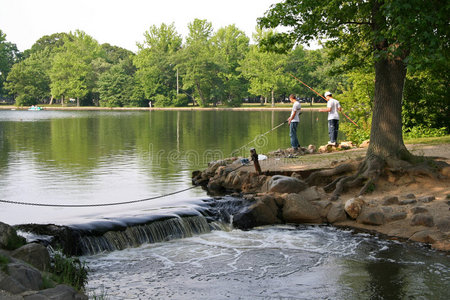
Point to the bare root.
(369, 172)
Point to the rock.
(387, 210)
(311, 149)
(408, 201)
(336, 213)
(371, 217)
(312, 193)
(396, 216)
(263, 212)
(441, 245)
(323, 206)
(445, 171)
(326, 149)
(410, 196)
(9, 284)
(425, 236)
(27, 276)
(390, 200)
(298, 210)
(427, 199)
(346, 145)
(418, 209)
(9, 238)
(365, 144)
(61, 291)
(8, 296)
(214, 165)
(422, 219)
(443, 224)
(34, 254)
(285, 184)
(354, 206)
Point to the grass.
(69, 270)
(4, 261)
(429, 140)
(14, 241)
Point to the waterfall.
(133, 236)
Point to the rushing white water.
(282, 262)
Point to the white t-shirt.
(334, 104)
(296, 108)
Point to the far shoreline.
(97, 108)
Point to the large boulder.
(353, 207)
(35, 254)
(263, 212)
(299, 210)
(285, 184)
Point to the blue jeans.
(333, 128)
(293, 135)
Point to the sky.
(121, 23)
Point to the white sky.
(121, 23)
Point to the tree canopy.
(394, 33)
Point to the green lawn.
(429, 140)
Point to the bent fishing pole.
(321, 96)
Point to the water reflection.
(102, 157)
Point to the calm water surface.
(63, 157)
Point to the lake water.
(63, 157)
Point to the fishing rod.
(321, 96)
(259, 136)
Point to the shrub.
(69, 270)
(421, 131)
(181, 100)
(14, 241)
(162, 101)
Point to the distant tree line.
(207, 69)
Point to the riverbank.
(414, 208)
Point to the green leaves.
(72, 72)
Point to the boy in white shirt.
(333, 107)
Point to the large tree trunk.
(386, 140)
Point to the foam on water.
(266, 263)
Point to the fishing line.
(259, 136)
(321, 96)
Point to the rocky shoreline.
(287, 193)
(25, 271)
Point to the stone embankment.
(291, 196)
(24, 272)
